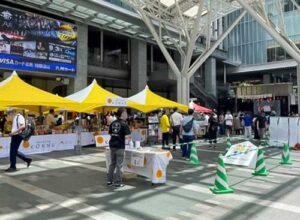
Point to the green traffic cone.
(260, 168)
(194, 160)
(285, 159)
(221, 183)
(228, 144)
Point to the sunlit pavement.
(61, 185)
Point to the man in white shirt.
(18, 126)
(205, 124)
(228, 123)
(175, 119)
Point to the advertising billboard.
(31, 42)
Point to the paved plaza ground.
(64, 186)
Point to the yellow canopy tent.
(95, 98)
(149, 101)
(14, 92)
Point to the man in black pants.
(175, 119)
(118, 129)
(17, 126)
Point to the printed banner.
(87, 138)
(243, 154)
(102, 140)
(46, 143)
(118, 102)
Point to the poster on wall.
(31, 42)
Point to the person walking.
(165, 129)
(188, 131)
(175, 119)
(18, 125)
(118, 129)
(247, 125)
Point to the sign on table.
(137, 159)
(243, 154)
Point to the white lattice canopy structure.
(190, 26)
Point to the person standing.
(118, 129)
(237, 124)
(175, 119)
(212, 129)
(221, 123)
(261, 125)
(18, 125)
(247, 125)
(188, 131)
(205, 124)
(50, 119)
(228, 123)
(165, 129)
(60, 119)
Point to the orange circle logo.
(26, 144)
(100, 140)
(109, 101)
(159, 173)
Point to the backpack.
(188, 126)
(29, 129)
(59, 121)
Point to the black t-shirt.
(213, 122)
(118, 130)
(261, 121)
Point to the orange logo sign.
(26, 144)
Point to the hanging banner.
(117, 102)
(243, 154)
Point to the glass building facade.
(250, 44)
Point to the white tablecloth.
(153, 166)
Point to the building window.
(115, 51)
(94, 52)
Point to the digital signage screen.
(31, 42)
